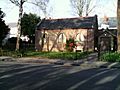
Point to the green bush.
(10, 53)
(70, 44)
(111, 57)
(57, 55)
(50, 55)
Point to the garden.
(68, 54)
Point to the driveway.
(16, 76)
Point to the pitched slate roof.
(68, 23)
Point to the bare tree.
(83, 6)
(78, 5)
(87, 7)
(118, 19)
(42, 5)
(19, 3)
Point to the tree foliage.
(3, 27)
(29, 22)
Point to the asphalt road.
(15, 76)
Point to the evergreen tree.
(3, 27)
(29, 23)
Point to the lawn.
(50, 55)
(57, 55)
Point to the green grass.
(50, 55)
(57, 55)
(10, 53)
(111, 57)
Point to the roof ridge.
(80, 22)
(68, 18)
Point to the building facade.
(51, 34)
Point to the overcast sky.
(60, 9)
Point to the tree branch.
(15, 2)
(42, 4)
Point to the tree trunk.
(19, 25)
(118, 18)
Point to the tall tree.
(83, 6)
(87, 7)
(42, 5)
(118, 18)
(3, 27)
(78, 5)
(29, 22)
(2, 14)
(19, 3)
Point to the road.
(18, 76)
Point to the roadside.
(90, 61)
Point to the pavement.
(89, 61)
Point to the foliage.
(49, 55)
(70, 44)
(111, 57)
(11, 44)
(29, 22)
(3, 27)
(2, 14)
(24, 46)
(10, 53)
(57, 55)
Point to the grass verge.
(50, 55)
(57, 55)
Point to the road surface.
(20, 76)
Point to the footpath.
(90, 61)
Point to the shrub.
(70, 44)
(57, 55)
(111, 57)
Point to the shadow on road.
(55, 77)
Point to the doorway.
(105, 43)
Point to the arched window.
(61, 42)
(43, 38)
(62, 38)
(80, 37)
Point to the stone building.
(51, 34)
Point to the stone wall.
(55, 40)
